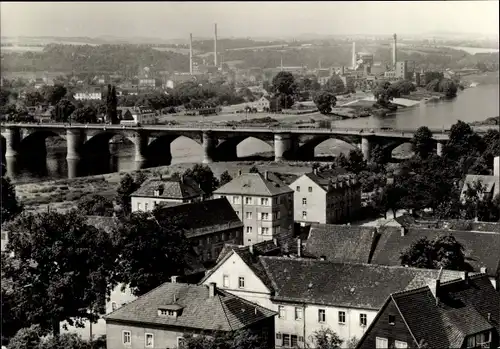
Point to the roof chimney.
(211, 290)
(489, 317)
(299, 248)
(215, 44)
(434, 286)
(403, 231)
(266, 175)
(173, 279)
(275, 241)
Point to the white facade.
(119, 298)
(140, 203)
(95, 96)
(294, 320)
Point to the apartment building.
(319, 198)
(264, 204)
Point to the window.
(281, 312)
(304, 201)
(249, 230)
(479, 340)
(225, 281)
(278, 336)
(310, 189)
(341, 317)
(4, 236)
(362, 319)
(304, 215)
(146, 206)
(264, 216)
(126, 337)
(321, 315)
(248, 200)
(241, 282)
(297, 189)
(149, 342)
(301, 339)
(293, 340)
(180, 341)
(381, 343)
(264, 231)
(279, 215)
(236, 199)
(248, 215)
(138, 206)
(398, 344)
(286, 340)
(113, 306)
(392, 319)
(264, 201)
(298, 313)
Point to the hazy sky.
(177, 19)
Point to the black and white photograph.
(250, 175)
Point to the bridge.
(218, 142)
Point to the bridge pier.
(366, 148)
(12, 141)
(140, 146)
(283, 146)
(439, 148)
(209, 143)
(74, 140)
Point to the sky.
(170, 20)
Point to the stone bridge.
(218, 143)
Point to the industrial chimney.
(215, 45)
(354, 55)
(191, 54)
(394, 51)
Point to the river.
(472, 104)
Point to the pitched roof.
(491, 184)
(224, 311)
(203, 217)
(169, 189)
(408, 221)
(323, 179)
(342, 284)
(341, 243)
(481, 248)
(462, 311)
(255, 184)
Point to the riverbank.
(495, 120)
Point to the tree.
(324, 101)
(378, 155)
(284, 87)
(63, 110)
(95, 205)
(464, 145)
(33, 98)
(326, 339)
(10, 207)
(341, 161)
(12, 317)
(422, 142)
(125, 189)
(441, 252)
(335, 85)
(111, 105)
(53, 94)
(66, 341)
(203, 175)
(26, 338)
(356, 164)
(152, 248)
(242, 339)
(253, 169)
(85, 114)
(225, 177)
(60, 268)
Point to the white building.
(311, 295)
(167, 191)
(136, 115)
(85, 96)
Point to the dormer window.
(172, 310)
(480, 340)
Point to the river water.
(472, 104)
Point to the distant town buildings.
(136, 115)
(264, 204)
(94, 94)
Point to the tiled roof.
(340, 243)
(224, 311)
(342, 284)
(481, 249)
(203, 217)
(490, 183)
(255, 184)
(323, 179)
(463, 310)
(408, 221)
(172, 189)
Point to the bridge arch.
(35, 142)
(227, 149)
(162, 149)
(307, 149)
(98, 143)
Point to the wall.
(383, 329)
(316, 201)
(150, 201)
(119, 297)
(208, 246)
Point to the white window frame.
(248, 215)
(224, 279)
(297, 189)
(146, 340)
(286, 335)
(383, 345)
(240, 279)
(264, 216)
(249, 229)
(299, 313)
(146, 206)
(281, 312)
(362, 317)
(114, 306)
(400, 344)
(304, 214)
(138, 206)
(129, 343)
(248, 200)
(265, 230)
(304, 201)
(179, 341)
(341, 317)
(321, 316)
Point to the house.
(312, 294)
(319, 198)
(262, 104)
(463, 313)
(490, 184)
(93, 94)
(159, 191)
(136, 115)
(264, 204)
(161, 317)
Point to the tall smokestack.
(354, 55)
(191, 54)
(394, 51)
(215, 44)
